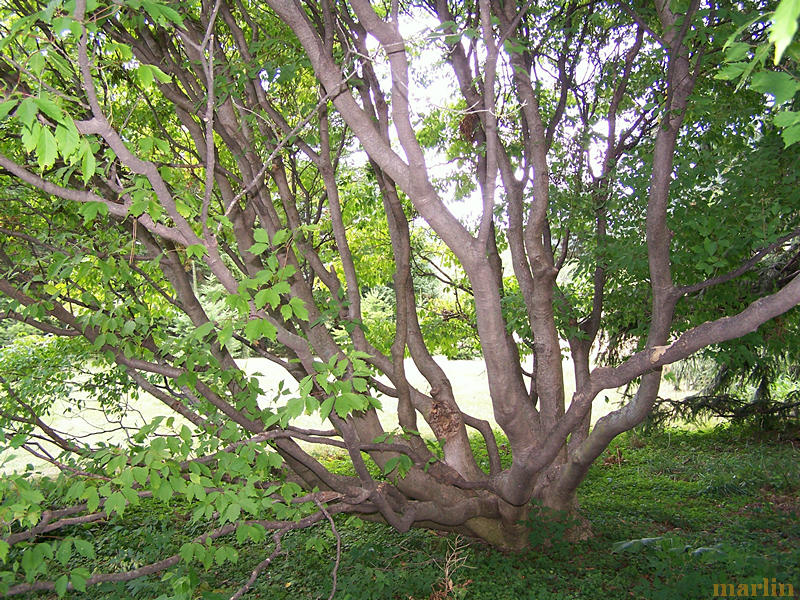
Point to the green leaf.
(46, 149)
(348, 402)
(154, 209)
(513, 47)
(282, 287)
(158, 73)
(784, 26)
(138, 206)
(61, 585)
(259, 328)
(231, 513)
(144, 73)
(261, 235)
(325, 407)
(36, 63)
(238, 303)
(736, 52)
(299, 309)
(787, 118)
(200, 552)
(224, 336)
(203, 330)
(243, 533)
(90, 210)
(758, 60)
(88, 164)
(129, 327)
(27, 111)
(116, 503)
(84, 548)
(402, 463)
(289, 490)
(129, 494)
(78, 577)
(5, 108)
(29, 563)
(75, 490)
(791, 135)
(30, 137)
(359, 384)
(164, 491)
(63, 26)
(267, 296)
(294, 408)
(731, 71)
(64, 551)
(391, 465)
(196, 250)
(187, 552)
(67, 138)
(162, 14)
(50, 108)
(140, 475)
(123, 52)
(4, 547)
(92, 499)
(280, 237)
(49, 288)
(778, 84)
(258, 248)
(312, 404)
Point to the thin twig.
(743, 268)
(338, 537)
(260, 567)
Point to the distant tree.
(284, 152)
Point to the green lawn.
(723, 507)
(468, 378)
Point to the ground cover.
(673, 514)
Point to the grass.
(722, 505)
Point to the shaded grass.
(723, 504)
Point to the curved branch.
(740, 270)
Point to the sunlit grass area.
(468, 378)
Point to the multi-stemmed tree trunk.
(146, 141)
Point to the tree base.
(537, 524)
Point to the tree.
(746, 59)
(147, 142)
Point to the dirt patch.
(784, 503)
(788, 504)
